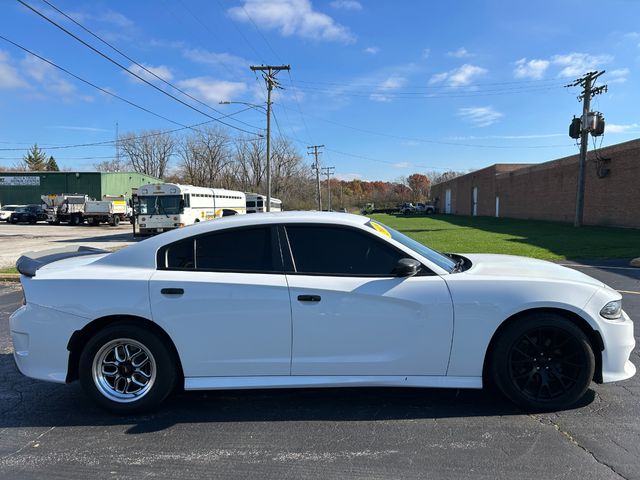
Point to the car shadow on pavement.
(31, 403)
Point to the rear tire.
(542, 362)
(127, 369)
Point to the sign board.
(26, 181)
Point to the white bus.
(165, 206)
(258, 203)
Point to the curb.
(9, 277)
(635, 262)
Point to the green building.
(27, 187)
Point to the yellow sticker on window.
(381, 229)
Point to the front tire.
(543, 362)
(127, 369)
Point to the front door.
(223, 299)
(474, 201)
(352, 316)
(447, 201)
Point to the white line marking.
(578, 265)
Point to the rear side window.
(180, 255)
(327, 250)
(242, 250)
(236, 250)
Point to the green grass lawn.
(546, 240)
(8, 270)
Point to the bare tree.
(204, 157)
(148, 152)
(250, 164)
(115, 165)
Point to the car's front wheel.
(127, 369)
(543, 362)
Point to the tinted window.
(180, 255)
(340, 251)
(237, 250)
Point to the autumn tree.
(419, 184)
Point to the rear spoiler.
(30, 262)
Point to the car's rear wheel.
(543, 362)
(127, 369)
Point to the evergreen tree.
(52, 165)
(35, 159)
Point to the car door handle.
(172, 291)
(309, 298)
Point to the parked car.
(425, 209)
(28, 214)
(7, 210)
(305, 299)
(407, 209)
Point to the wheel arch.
(80, 337)
(597, 344)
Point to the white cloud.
(616, 128)
(402, 165)
(211, 90)
(9, 77)
(618, 76)
(459, 53)
(480, 116)
(390, 84)
(459, 77)
(426, 53)
(533, 68)
(347, 177)
(292, 17)
(161, 71)
(47, 76)
(576, 64)
(81, 129)
(347, 5)
(206, 57)
(371, 50)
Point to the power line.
(424, 140)
(115, 62)
(428, 87)
(103, 90)
(109, 143)
(137, 63)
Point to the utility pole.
(117, 146)
(313, 150)
(588, 92)
(269, 75)
(328, 171)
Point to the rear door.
(223, 299)
(353, 316)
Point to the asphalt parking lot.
(51, 431)
(17, 239)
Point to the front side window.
(436, 257)
(328, 250)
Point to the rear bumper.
(40, 336)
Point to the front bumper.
(40, 336)
(618, 344)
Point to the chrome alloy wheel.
(124, 370)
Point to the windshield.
(159, 205)
(434, 256)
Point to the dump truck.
(65, 207)
(111, 209)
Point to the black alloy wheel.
(543, 363)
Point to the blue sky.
(390, 88)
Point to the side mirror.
(407, 267)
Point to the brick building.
(547, 191)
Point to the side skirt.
(298, 381)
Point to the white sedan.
(312, 300)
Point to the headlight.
(612, 310)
